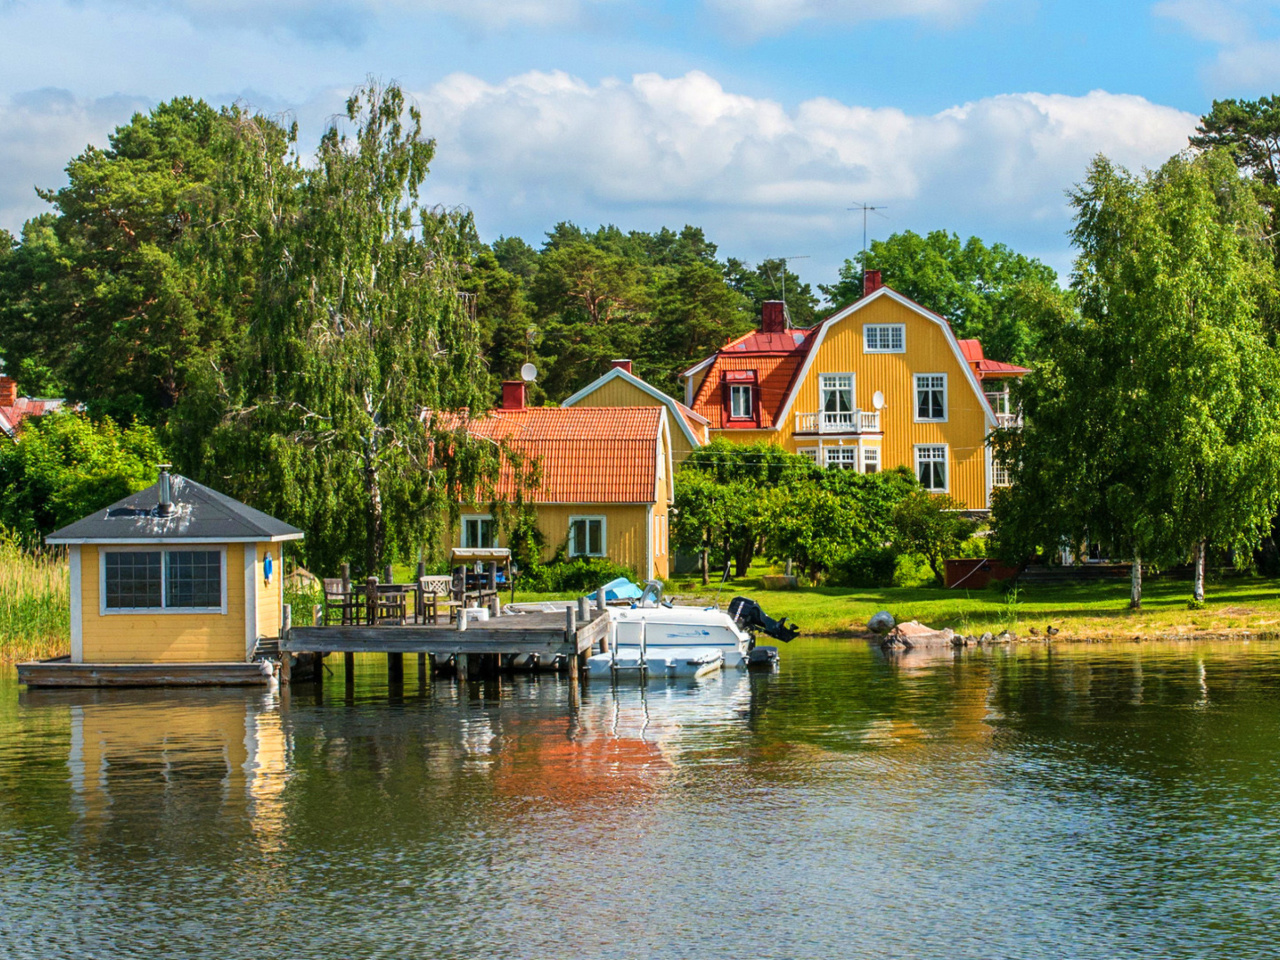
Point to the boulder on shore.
(912, 634)
(882, 623)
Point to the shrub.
(579, 575)
(872, 567)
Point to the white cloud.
(42, 131)
(1246, 31)
(542, 147)
(757, 17)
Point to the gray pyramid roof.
(201, 515)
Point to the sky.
(762, 121)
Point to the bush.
(580, 575)
(872, 567)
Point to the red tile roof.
(11, 416)
(584, 454)
(775, 357)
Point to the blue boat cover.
(621, 589)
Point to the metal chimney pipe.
(165, 508)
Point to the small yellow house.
(604, 480)
(879, 384)
(174, 574)
(622, 388)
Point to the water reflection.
(1088, 801)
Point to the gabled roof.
(202, 515)
(776, 358)
(12, 415)
(682, 415)
(822, 328)
(585, 454)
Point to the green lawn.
(1084, 611)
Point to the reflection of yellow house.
(879, 384)
(175, 574)
(621, 388)
(603, 480)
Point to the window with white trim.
(845, 458)
(810, 452)
(931, 396)
(884, 338)
(870, 460)
(999, 474)
(586, 536)
(931, 467)
(478, 530)
(740, 401)
(837, 399)
(162, 580)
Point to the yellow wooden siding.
(162, 637)
(270, 595)
(626, 530)
(619, 393)
(927, 351)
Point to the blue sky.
(761, 120)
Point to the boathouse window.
(478, 531)
(884, 338)
(931, 396)
(740, 401)
(163, 580)
(931, 468)
(870, 460)
(586, 536)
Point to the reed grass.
(35, 603)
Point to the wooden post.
(395, 668)
(491, 575)
(600, 601)
(571, 638)
(573, 669)
(371, 600)
(422, 569)
(422, 668)
(462, 667)
(390, 574)
(349, 668)
(346, 578)
(584, 611)
(495, 607)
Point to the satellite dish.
(877, 400)
(528, 373)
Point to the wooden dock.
(572, 636)
(61, 672)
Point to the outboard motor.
(749, 616)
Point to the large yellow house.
(622, 388)
(603, 485)
(879, 384)
(175, 574)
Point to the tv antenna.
(866, 209)
(785, 261)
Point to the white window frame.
(481, 517)
(894, 331)
(741, 389)
(846, 459)
(840, 418)
(870, 455)
(810, 452)
(946, 407)
(105, 611)
(999, 473)
(945, 460)
(604, 535)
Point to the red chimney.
(8, 391)
(623, 365)
(512, 394)
(773, 317)
(871, 282)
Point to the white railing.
(851, 421)
(1009, 421)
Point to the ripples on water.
(1081, 802)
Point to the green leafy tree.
(979, 288)
(66, 466)
(108, 292)
(773, 280)
(358, 331)
(1153, 421)
(694, 313)
(931, 525)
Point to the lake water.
(1081, 801)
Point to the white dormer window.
(884, 338)
(740, 402)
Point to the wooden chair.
(340, 605)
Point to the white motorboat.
(661, 640)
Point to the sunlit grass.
(35, 607)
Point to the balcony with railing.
(842, 421)
(1009, 421)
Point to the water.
(1089, 801)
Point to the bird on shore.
(1051, 631)
(1035, 632)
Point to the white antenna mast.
(866, 209)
